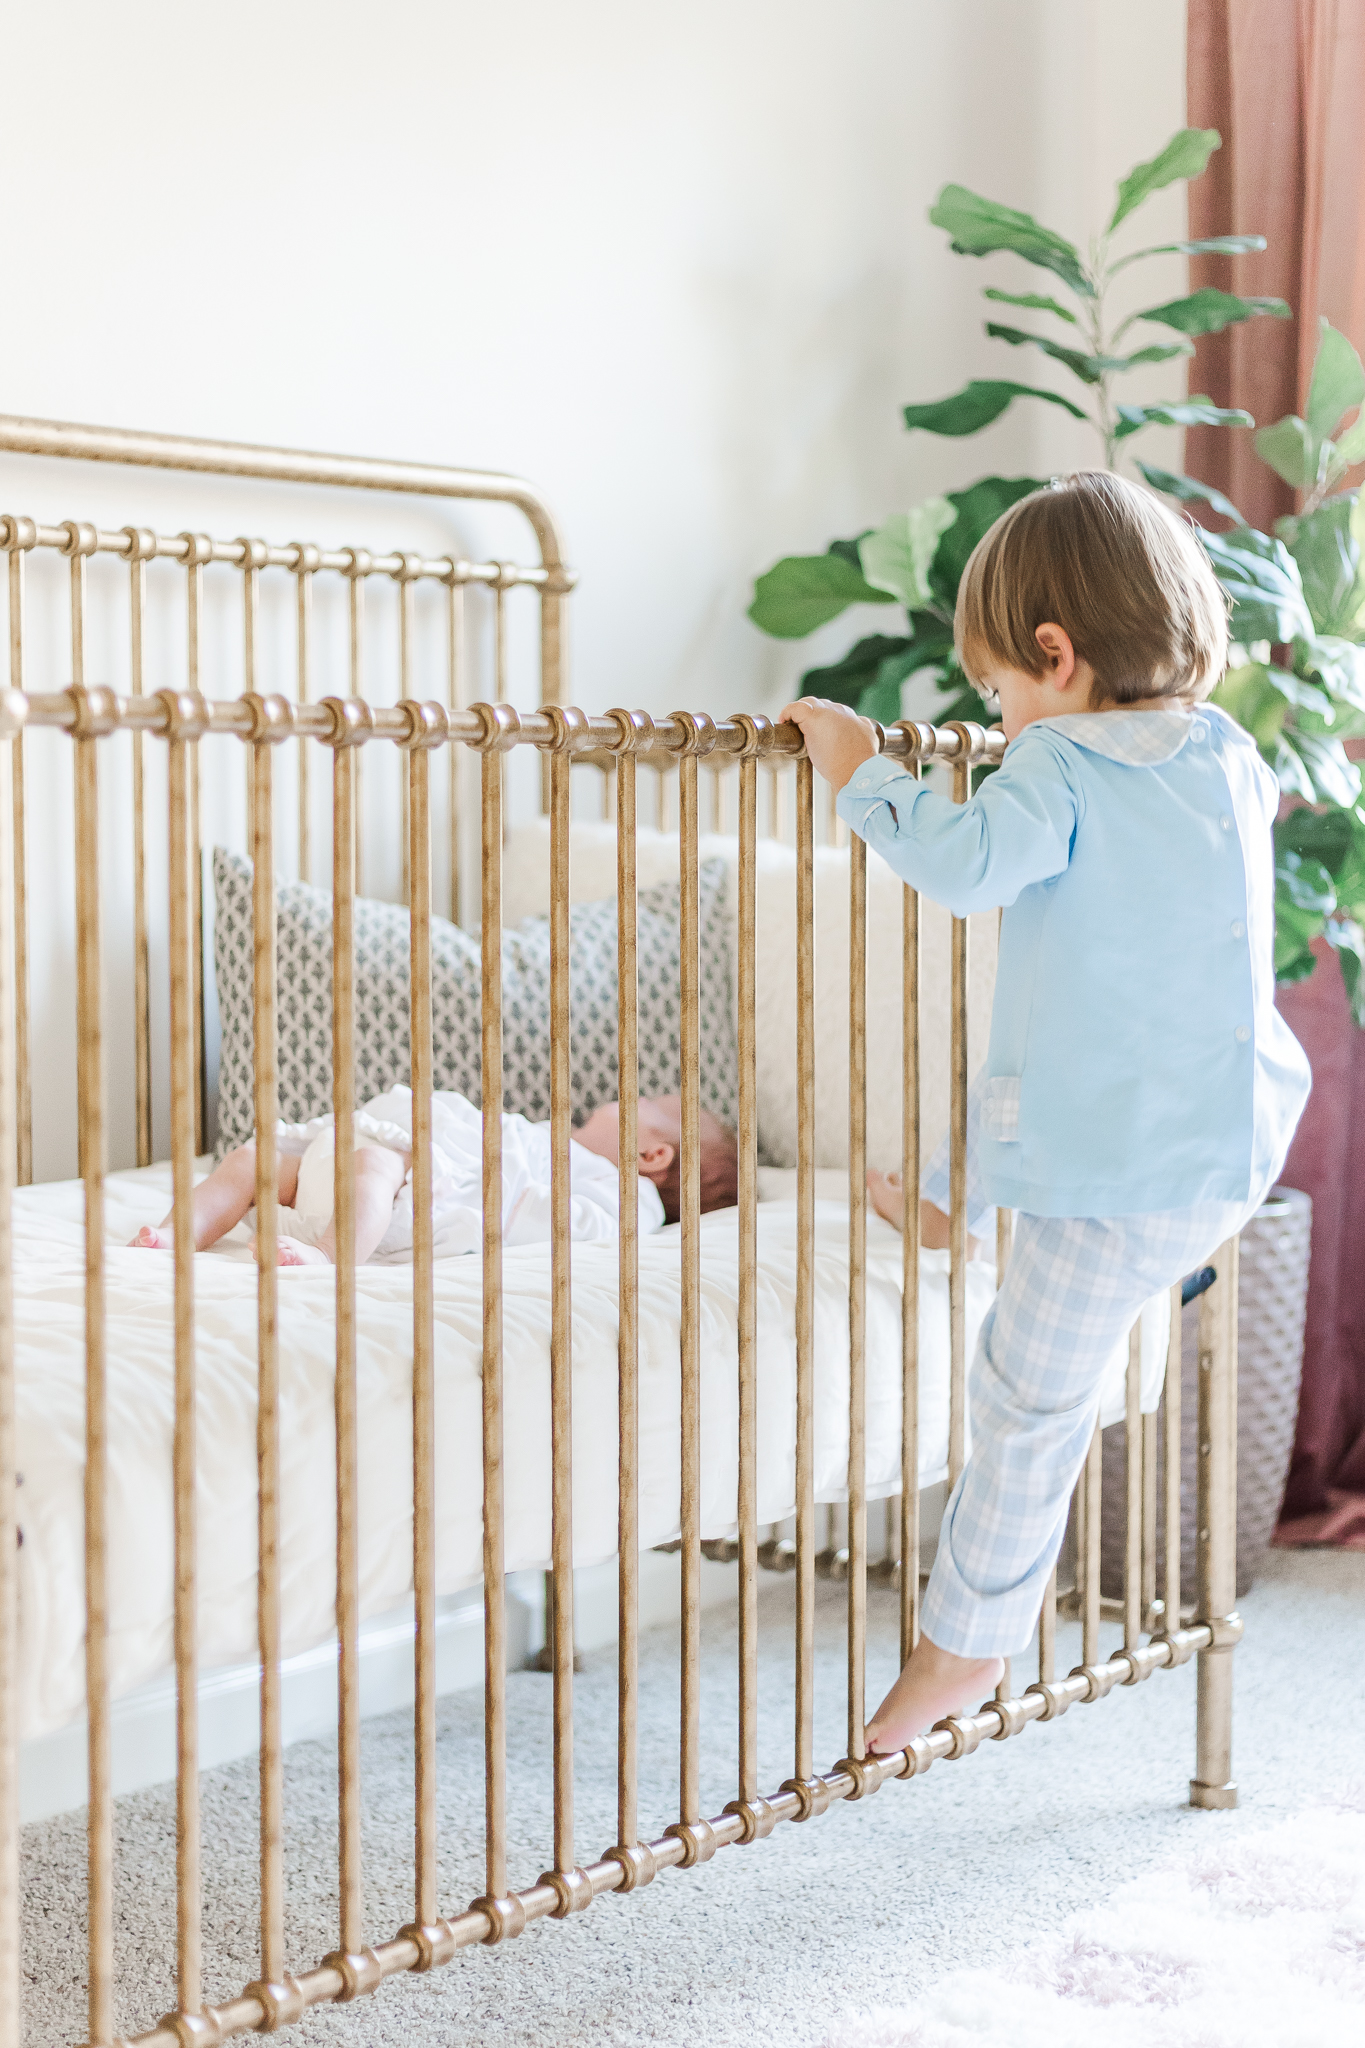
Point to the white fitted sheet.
(49, 1319)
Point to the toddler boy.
(1141, 1089)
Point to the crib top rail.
(90, 713)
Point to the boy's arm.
(1018, 829)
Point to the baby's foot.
(152, 1239)
(294, 1252)
(887, 1196)
(934, 1684)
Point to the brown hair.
(1124, 578)
(719, 1170)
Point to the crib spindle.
(90, 1109)
(427, 722)
(805, 1283)
(405, 575)
(1170, 1452)
(349, 1958)
(307, 561)
(141, 548)
(910, 1250)
(456, 666)
(628, 1312)
(198, 550)
(1092, 1480)
(1150, 1436)
(561, 1330)
(957, 1168)
(21, 535)
(1132, 1497)
(690, 1306)
(1047, 1632)
(188, 1876)
(266, 1111)
(747, 1327)
(494, 1547)
(359, 563)
(11, 2024)
(857, 1293)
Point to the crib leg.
(1216, 1532)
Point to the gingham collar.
(1141, 739)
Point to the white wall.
(673, 264)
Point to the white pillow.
(592, 874)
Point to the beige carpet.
(781, 1943)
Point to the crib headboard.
(267, 631)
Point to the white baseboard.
(52, 1768)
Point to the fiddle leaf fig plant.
(916, 558)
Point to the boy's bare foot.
(152, 1239)
(293, 1252)
(934, 1684)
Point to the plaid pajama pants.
(1072, 1290)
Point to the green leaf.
(1305, 899)
(1291, 450)
(1339, 666)
(1211, 245)
(1348, 940)
(1293, 776)
(979, 226)
(846, 680)
(1335, 778)
(1302, 694)
(928, 651)
(847, 550)
(1089, 369)
(897, 556)
(1350, 447)
(1191, 493)
(1036, 302)
(1338, 381)
(802, 592)
(1248, 695)
(880, 700)
(1328, 555)
(1184, 156)
(1183, 412)
(1305, 882)
(977, 404)
(1262, 579)
(1209, 311)
(1326, 836)
(978, 508)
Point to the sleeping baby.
(383, 1180)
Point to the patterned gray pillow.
(382, 1050)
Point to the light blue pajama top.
(1137, 1061)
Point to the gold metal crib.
(433, 737)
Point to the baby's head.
(659, 1145)
(1102, 566)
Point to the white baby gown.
(457, 1179)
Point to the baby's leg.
(379, 1174)
(1072, 1291)
(219, 1202)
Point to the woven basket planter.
(1272, 1300)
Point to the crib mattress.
(48, 1253)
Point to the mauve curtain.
(1284, 83)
